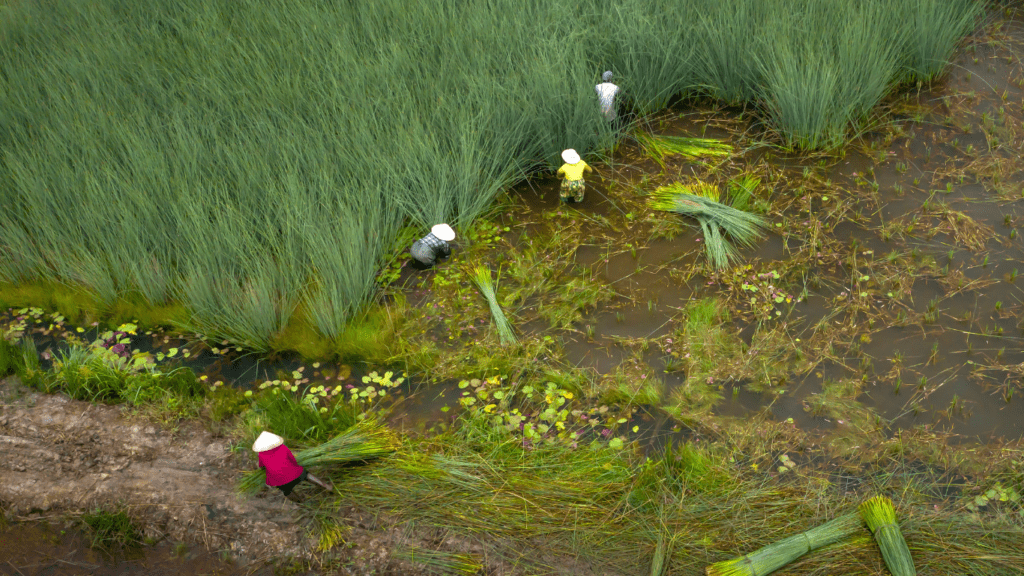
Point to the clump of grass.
(776, 555)
(366, 440)
(482, 278)
(704, 343)
(111, 529)
(932, 29)
(11, 358)
(880, 516)
(702, 201)
(298, 418)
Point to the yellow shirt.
(574, 172)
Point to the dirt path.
(64, 455)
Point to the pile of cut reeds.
(482, 277)
(703, 202)
(778, 554)
(880, 516)
(661, 147)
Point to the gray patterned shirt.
(429, 248)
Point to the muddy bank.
(70, 456)
(63, 457)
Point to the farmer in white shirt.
(606, 92)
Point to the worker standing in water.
(573, 186)
(606, 92)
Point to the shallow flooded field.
(872, 340)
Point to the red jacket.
(280, 464)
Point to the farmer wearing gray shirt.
(428, 249)
(606, 92)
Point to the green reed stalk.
(880, 516)
(775, 556)
(482, 278)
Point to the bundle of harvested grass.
(774, 556)
(366, 440)
(661, 147)
(482, 277)
(880, 516)
(702, 202)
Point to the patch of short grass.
(111, 530)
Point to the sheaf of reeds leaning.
(880, 516)
(482, 277)
(702, 201)
(364, 441)
(775, 556)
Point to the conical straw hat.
(570, 156)
(444, 232)
(267, 441)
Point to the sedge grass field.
(246, 158)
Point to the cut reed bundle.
(661, 147)
(880, 516)
(482, 277)
(366, 440)
(774, 556)
(702, 202)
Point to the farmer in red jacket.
(283, 472)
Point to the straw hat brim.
(444, 232)
(267, 441)
(570, 156)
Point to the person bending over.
(283, 472)
(428, 250)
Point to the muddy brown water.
(39, 548)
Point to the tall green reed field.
(248, 157)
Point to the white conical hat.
(444, 232)
(570, 156)
(267, 441)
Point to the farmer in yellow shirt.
(573, 169)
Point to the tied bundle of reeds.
(366, 440)
(661, 147)
(702, 201)
(880, 516)
(482, 277)
(774, 556)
